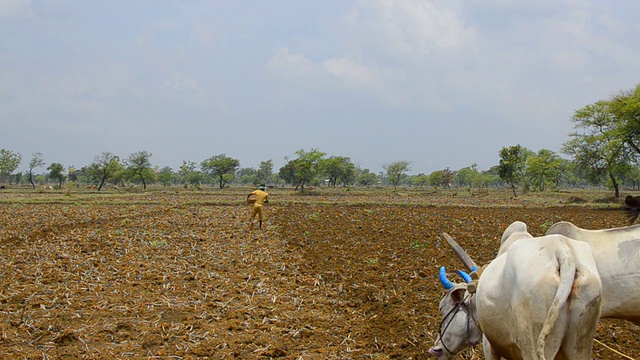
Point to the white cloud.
(14, 8)
(288, 65)
(351, 73)
(203, 36)
(181, 82)
(393, 50)
(408, 29)
(189, 89)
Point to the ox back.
(616, 252)
(540, 299)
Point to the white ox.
(538, 299)
(617, 255)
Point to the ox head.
(458, 327)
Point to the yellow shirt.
(261, 197)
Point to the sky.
(440, 84)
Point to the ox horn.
(466, 259)
(446, 283)
(466, 277)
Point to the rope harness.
(451, 315)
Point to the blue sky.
(437, 83)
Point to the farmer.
(261, 198)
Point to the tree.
(434, 178)
(72, 174)
(166, 176)
(543, 168)
(489, 177)
(446, 178)
(396, 170)
(55, 172)
(36, 161)
(337, 168)
(189, 173)
(296, 172)
(513, 160)
(247, 176)
(9, 162)
(104, 167)
(348, 175)
(138, 166)
(303, 169)
(367, 178)
(632, 177)
(625, 112)
(466, 176)
(264, 172)
(220, 165)
(420, 180)
(596, 146)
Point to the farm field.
(182, 275)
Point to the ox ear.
(457, 295)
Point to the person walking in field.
(258, 198)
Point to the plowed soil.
(186, 276)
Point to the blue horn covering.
(446, 283)
(464, 276)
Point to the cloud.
(408, 29)
(351, 73)
(15, 8)
(188, 89)
(285, 64)
(181, 82)
(395, 51)
(203, 36)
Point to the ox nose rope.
(450, 315)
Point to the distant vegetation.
(604, 152)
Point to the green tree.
(56, 172)
(9, 162)
(337, 168)
(512, 167)
(218, 166)
(625, 112)
(596, 146)
(247, 176)
(420, 180)
(297, 172)
(189, 173)
(396, 171)
(303, 169)
(434, 178)
(264, 172)
(138, 166)
(166, 176)
(543, 168)
(36, 161)
(466, 176)
(348, 176)
(489, 178)
(367, 178)
(72, 174)
(103, 168)
(632, 177)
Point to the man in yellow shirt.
(261, 197)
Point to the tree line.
(603, 150)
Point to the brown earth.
(183, 276)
